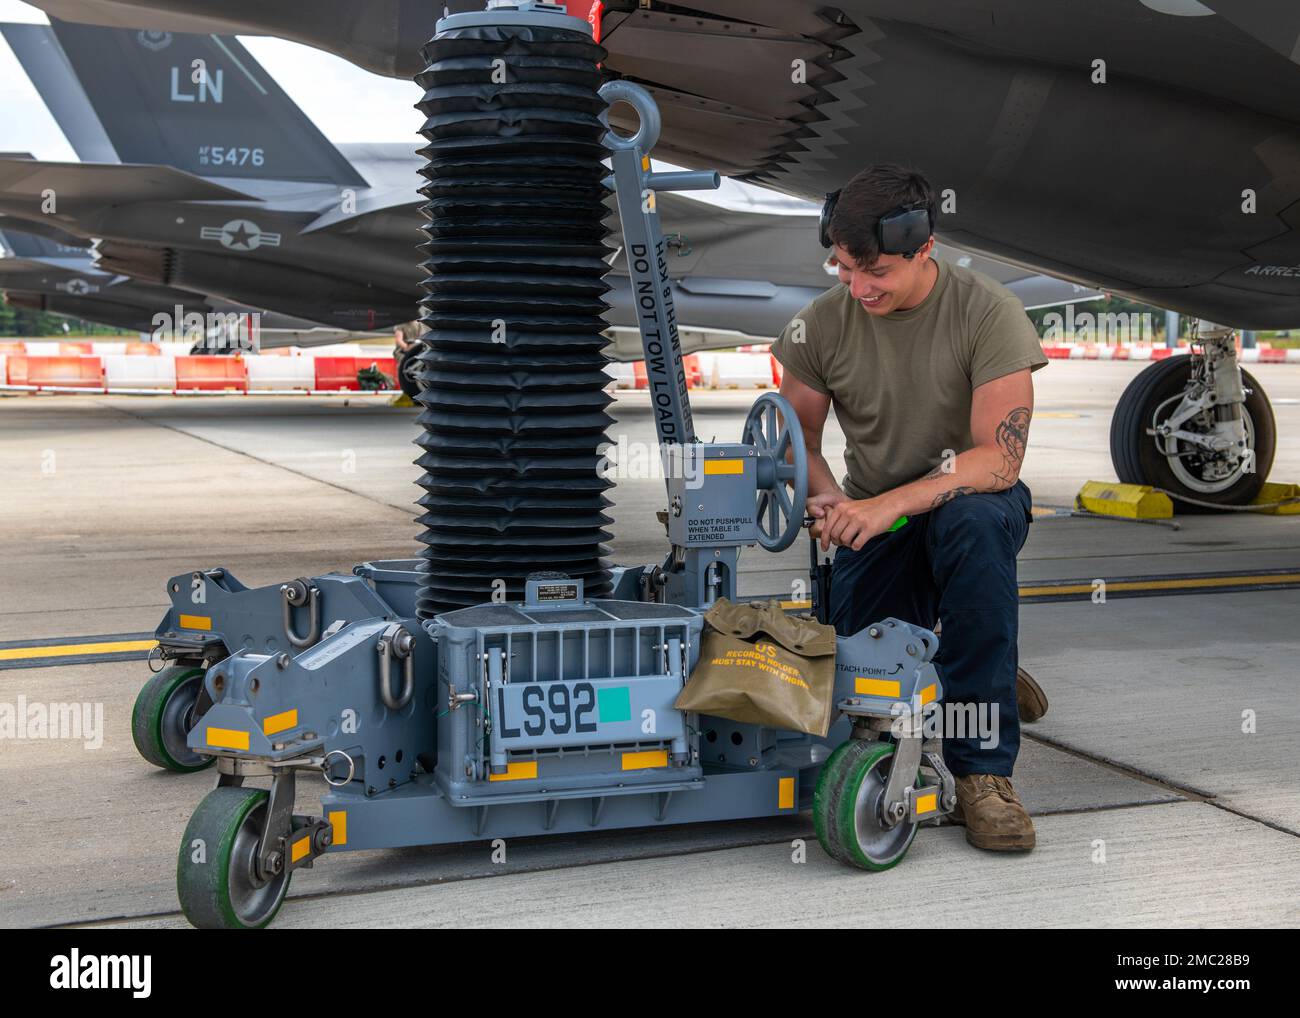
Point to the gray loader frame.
(553, 714)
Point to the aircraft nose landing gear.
(1197, 427)
(408, 370)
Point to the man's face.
(887, 284)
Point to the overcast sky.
(347, 103)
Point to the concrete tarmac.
(1164, 780)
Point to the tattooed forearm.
(1012, 437)
(1013, 433)
(950, 494)
(946, 466)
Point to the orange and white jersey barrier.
(1261, 354)
(44, 367)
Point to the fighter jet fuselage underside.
(56, 272)
(1147, 147)
(234, 193)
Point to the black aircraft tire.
(1137, 460)
(409, 385)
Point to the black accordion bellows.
(514, 401)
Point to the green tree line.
(24, 322)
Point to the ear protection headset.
(901, 231)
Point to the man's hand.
(852, 523)
(818, 506)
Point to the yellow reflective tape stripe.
(724, 466)
(645, 163)
(69, 649)
(517, 772)
(196, 622)
(785, 794)
(227, 738)
(927, 694)
(796, 604)
(280, 722)
(927, 803)
(650, 758)
(299, 848)
(338, 819)
(877, 687)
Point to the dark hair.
(868, 196)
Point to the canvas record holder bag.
(760, 666)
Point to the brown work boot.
(1030, 698)
(992, 813)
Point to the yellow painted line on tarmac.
(1155, 584)
(71, 649)
(1152, 585)
(1186, 583)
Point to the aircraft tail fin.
(200, 103)
(38, 242)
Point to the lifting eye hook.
(396, 642)
(296, 594)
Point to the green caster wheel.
(163, 716)
(846, 808)
(829, 783)
(216, 881)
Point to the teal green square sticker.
(614, 704)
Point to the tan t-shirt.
(901, 384)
